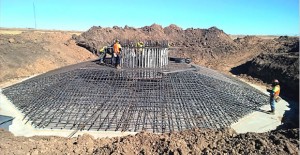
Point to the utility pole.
(0, 12)
(34, 15)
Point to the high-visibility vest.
(276, 90)
(139, 44)
(117, 48)
(102, 49)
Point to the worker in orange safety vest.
(117, 48)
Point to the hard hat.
(276, 81)
(117, 40)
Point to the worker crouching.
(102, 54)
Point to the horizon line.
(69, 30)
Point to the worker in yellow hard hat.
(139, 52)
(139, 44)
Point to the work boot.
(118, 67)
(101, 61)
(271, 112)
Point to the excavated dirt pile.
(204, 141)
(282, 63)
(29, 53)
(204, 46)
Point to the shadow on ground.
(290, 118)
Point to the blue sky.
(261, 17)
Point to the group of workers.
(115, 51)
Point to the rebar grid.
(100, 98)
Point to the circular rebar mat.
(94, 97)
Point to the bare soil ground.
(25, 53)
(194, 141)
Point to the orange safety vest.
(117, 48)
(276, 90)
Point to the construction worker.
(139, 44)
(139, 52)
(274, 95)
(117, 53)
(102, 54)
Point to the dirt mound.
(202, 45)
(30, 53)
(206, 141)
(280, 61)
(97, 37)
(209, 47)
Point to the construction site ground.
(35, 52)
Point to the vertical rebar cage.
(145, 57)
